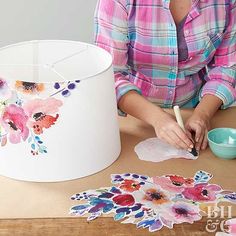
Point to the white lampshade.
(58, 115)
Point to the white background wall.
(22, 20)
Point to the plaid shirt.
(141, 36)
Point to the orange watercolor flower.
(29, 87)
(155, 196)
(130, 185)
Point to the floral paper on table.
(152, 202)
(155, 150)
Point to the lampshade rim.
(68, 41)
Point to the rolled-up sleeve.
(111, 34)
(221, 76)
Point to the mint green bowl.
(222, 142)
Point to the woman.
(171, 52)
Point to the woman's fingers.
(176, 137)
(197, 129)
(200, 131)
(183, 138)
(205, 141)
(198, 144)
(169, 139)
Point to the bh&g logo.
(216, 218)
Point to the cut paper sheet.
(152, 202)
(155, 150)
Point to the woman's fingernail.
(191, 146)
(190, 149)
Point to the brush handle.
(179, 117)
(181, 124)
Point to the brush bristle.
(194, 152)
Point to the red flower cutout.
(124, 200)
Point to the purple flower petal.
(157, 225)
(56, 85)
(66, 93)
(71, 86)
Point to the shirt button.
(170, 92)
(186, 32)
(173, 69)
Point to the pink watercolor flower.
(232, 226)
(41, 112)
(5, 92)
(202, 192)
(175, 184)
(182, 212)
(152, 196)
(14, 122)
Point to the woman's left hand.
(198, 125)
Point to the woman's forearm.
(208, 106)
(139, 107)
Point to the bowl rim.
(220, 144)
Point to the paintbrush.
(181, 124)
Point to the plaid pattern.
(141, 36)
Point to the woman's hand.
(198, 124)
(168, 130)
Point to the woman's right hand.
(168, 130)
(165, 125)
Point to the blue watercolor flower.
(100, 205)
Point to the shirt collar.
(194, 12)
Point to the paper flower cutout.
(152, 203)
(202, 192)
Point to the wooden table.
(132, 132)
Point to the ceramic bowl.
(222, 142)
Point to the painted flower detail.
(181, 212)
(29, 87)
(152, 196)
(202, 192)
(153, 206)
(124, 200)
(232, 226)
(65, 88)
(153, 224)
(230, 197)
(180, 181)
(41, 112)
(14, 122)
(130, 185)
(100, 205)
(5, 92)
(173, 183)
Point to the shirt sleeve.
(111, 34)
(221, 76)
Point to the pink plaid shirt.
(141, 36)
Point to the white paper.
(155, 150)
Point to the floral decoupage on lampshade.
(57, 100)
(23, 117)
